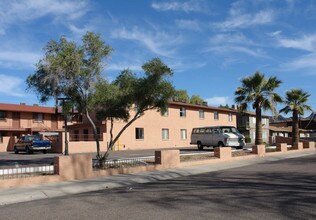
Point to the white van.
(217, 136)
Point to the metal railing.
(119, 163)
(23, 172)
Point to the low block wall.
(309, 145)
(80, 166)
(167, 158)
(224, 153)
(260, 150)
(73, 167)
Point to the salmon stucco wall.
(153, 122)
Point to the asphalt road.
(284, 189)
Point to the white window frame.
(230, 117)
(201, 114)
(216, 115)
(165, 134)
(183, 112)
(183, 134)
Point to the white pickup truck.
(217, 136)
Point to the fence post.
(224, 153)
(259, 149)
(298, 146)
(281, 147)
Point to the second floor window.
(166, 113)
(38, 117)
(2, 115)
(230, 117)
(216, 116)
(182, 112)
(201, 113)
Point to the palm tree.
(295, 100)
(258, 91)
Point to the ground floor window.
(183, 133)
(165, 134)
(139, 133)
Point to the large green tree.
(196, 99)
(182, 95)
(128, 97)
(258, 91)
(70, 70)
(295, 102)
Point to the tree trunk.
(295, 129)
(96, 136)
(258, 140)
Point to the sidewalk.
(51, 190)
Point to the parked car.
(217, 136)
(31, 143)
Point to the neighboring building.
(286, 132)
(16, 120)
(246, 124)
(152, 130)
(280, 126)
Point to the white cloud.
(217, 101)
(187, 6)
(11, 86)
(158, 42)
(237, 38)
(239, 19)
(306, 62)
(192, 25)
(18, 59)
(306, 42)
(14, 11)
(239, 49)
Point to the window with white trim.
(182, 112)
(230, 117)
(201, 113)
(216, 117)
(183, 133)
(165, 134)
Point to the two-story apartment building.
(246, 124)
(16, 120)
(153, 130)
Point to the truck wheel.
(27, 150)
(199, 145)
(16, 150)
(220, 144)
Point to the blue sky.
(210, 45)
